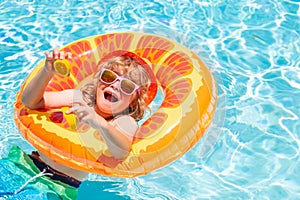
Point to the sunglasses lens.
(108, 76)
(127, 86)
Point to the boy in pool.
(112, 102)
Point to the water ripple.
(251, 151)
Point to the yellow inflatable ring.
(188, 107)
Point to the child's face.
(111, 100)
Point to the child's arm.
(118, 134)
(34, 95)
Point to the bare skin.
(118, 133)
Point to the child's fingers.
(69, 55)
(48, 55)
(61, 55)
(72, 110)
(85, 119)
(78, 110)
(55, 53)
(69, 111)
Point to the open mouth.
(110, 97)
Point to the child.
(112, 102)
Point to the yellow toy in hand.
(71, 118)
(62, 67)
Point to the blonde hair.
(134, 71)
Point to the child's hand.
(87, 114)
(53, 56)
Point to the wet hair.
(133, 70)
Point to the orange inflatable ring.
(188, 107)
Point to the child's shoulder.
(126, 124)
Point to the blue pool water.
(251, 150)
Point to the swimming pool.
(251, 150)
